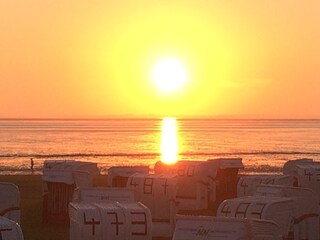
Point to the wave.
(66, 155)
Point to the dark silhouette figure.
(31, 165)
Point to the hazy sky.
(94, 58)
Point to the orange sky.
(94, 58)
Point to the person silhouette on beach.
(31, 165)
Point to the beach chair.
(308, 176)
(305, 214)
(158, 193)
(204, 184)
(118, 176)
(10, 230)
(109, 221)
(277, 209)
(102, 194)
(205, 227)
(290, 168)
(10, 201)
(60, 178)
(192, 182)
(247, 184)
(222, 179)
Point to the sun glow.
(169, 141)
(169, 75)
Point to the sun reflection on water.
(169, 141)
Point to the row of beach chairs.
(168, 203)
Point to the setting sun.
(169, 75)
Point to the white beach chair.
(290, 167)
(158, 193)
(192, 180)
(223, 179)
(204, 227)
(309, 176)
(60, 178)
(247, 184)
(306, 216)
(10, 201)
(109, 221)
(277, 209)
(10, 230)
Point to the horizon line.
(153, 118)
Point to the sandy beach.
(30, 187)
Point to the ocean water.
(264, 145)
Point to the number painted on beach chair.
(226, 209)
(308, 173)
(184, 170)
(133, 183)
(116, 222)
(148, 186)
(142, 221)
(181, 171)
(243, 210)
(165, 185)
(190, 172)
(92, 222)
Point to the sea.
(264, 144)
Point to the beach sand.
(30, 187)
